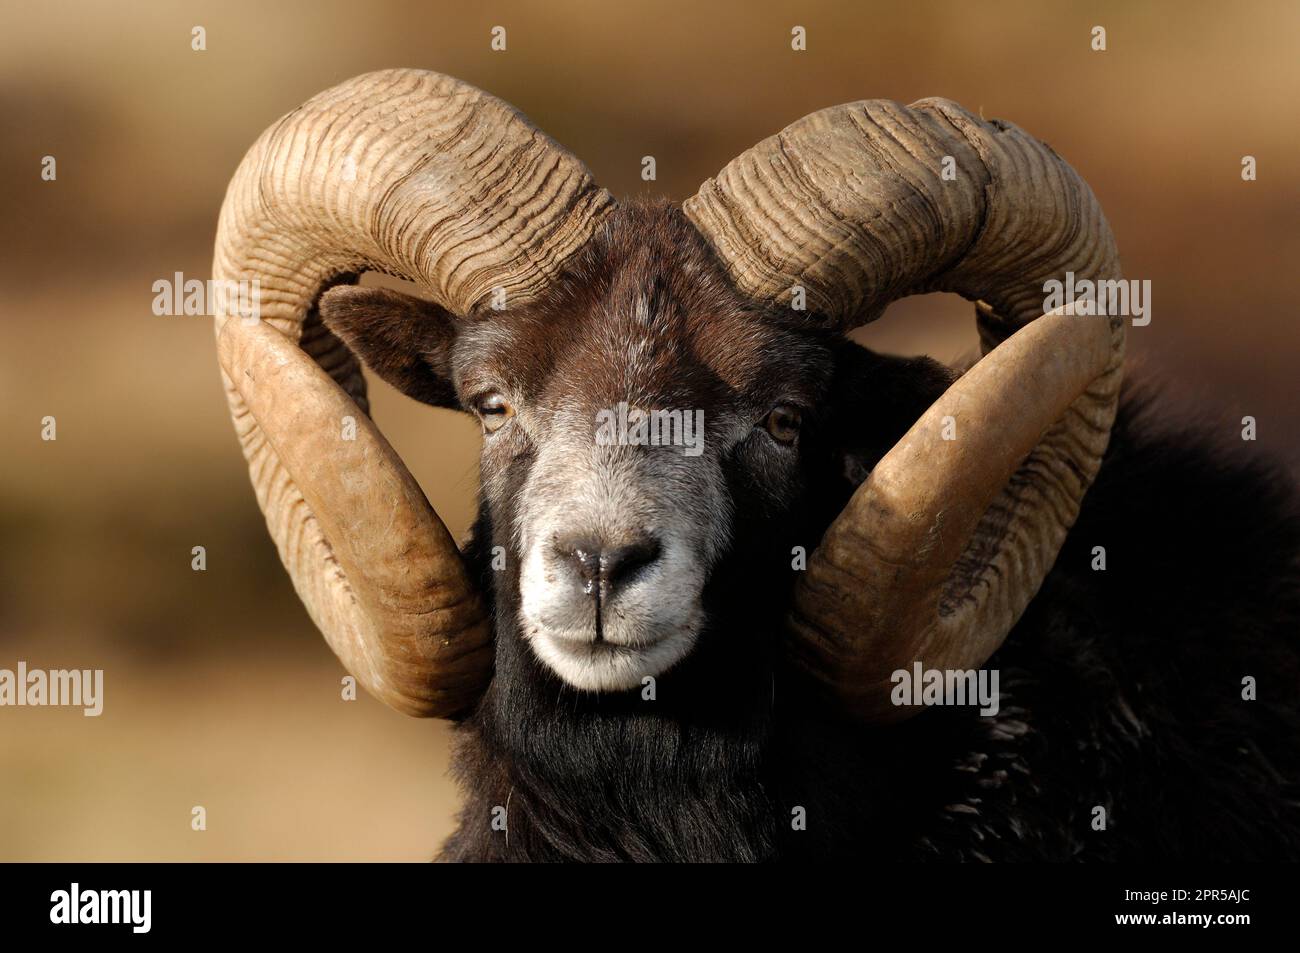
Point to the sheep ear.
(878, 397)
(405, 340)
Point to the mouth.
(586, 649)
(582, 640)
(600, 665)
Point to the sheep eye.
(783, 423)
(493, 411)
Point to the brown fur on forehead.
(646, 313)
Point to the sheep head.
(555, 313)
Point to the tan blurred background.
(218, 690)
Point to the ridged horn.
(424, 177)
(939, 551)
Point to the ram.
(655, 654)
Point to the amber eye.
(783, 423)
(493, 410)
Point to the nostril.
(622, 564)
(582, 555)
(610, 566)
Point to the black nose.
(607, 568)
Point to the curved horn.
(940, 550)
(424, 177)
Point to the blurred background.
(218, 691)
